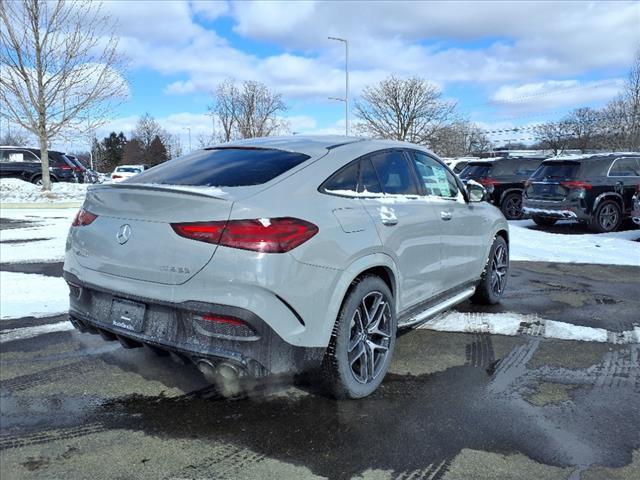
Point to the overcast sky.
(505, 63)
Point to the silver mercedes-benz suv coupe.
(274, 255)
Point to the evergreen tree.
(157, 152)
(133, 152)
(112, 150)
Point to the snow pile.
(515, 323)
(41, 240)
(615, 248)
(30, 294)
(13, 190)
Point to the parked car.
(504, 179)
(88, 175)
(595, 189)
(122, 172)
(458, 164)
(24, 163)
(279, 254)
(635, 212)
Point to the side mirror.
(475, 191)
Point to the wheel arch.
(608, 196)
(378, 264)
(509, 191)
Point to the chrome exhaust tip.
(225, 375)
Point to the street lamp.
(346, 87)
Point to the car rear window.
(476, 170)
(128, 170)
(223, 167)
(556, 171)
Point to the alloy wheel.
(499, 270)
(608, 217)
(514, 207)
(370, 337)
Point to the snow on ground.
(13, 190)
(41, 241)
(34, 295)
(616, 248)
(514, 323)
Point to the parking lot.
(455, 404)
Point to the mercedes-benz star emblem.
(123, 234)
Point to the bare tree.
(146, 129)
(621, 117)
(16, 138)
(460, 138)
(583, 126)
(553, 136)
(248, 111)
(409, 109)
(59, 67)
(224, 106)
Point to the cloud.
(554, 94)
(560, 39)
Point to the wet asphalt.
(454, 405)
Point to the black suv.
(593, 189)
(503, 178)
(24, 163)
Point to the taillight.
(488, 182)
(268, 235)
(79, 169)
(574, 184)
(83, 218)
(113, 177)
(64, 167)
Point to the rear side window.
(476, 170)
(393, 173)
(358, 176)
(625, 167)
(224, 167)
(556, 171)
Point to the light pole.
(346, 86)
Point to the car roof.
(594, 156)
(316, 145)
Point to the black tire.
(606, 218)
(511, 206)
(488, 292)
(350, 379)
(544, 221)
(37, 180)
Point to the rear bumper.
(570, 209)
(552, 213)
(174, 327)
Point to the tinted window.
(345, 180)
(476, 170)
(393, 173)
(368, 182)
(128, 169)
(225, 167)
(436, 179)
(357, 177)
(625, 167)
(556, 171)
(459, 167)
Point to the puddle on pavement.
(413, 420)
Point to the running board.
(437, 308)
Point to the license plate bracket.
(127, 314)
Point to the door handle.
(445, 215)
(390, 221)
